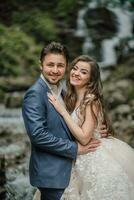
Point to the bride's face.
(80, 74)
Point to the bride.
(107, 173)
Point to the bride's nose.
(76, 73)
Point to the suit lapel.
(47, 89)
(45, 86)
(65, 126)
(63, 92)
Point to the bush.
(37, 23)
(19, 52)
(64, 7)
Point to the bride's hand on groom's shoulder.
(57, 105)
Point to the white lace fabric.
(106, 174)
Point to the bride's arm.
(84, 133)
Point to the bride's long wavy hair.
(93, 93)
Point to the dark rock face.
(13, 100)
(12, 90)
(2, 178)
(101, 22)
(12, 84)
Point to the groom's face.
(53, 67)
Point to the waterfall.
(11, 120)
(82, 29)
(124, 31)
(125, 27)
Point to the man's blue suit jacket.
(52, 147)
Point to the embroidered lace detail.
(105, 174)
(98, 176)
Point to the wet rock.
(14, 153)
(2, 177)
(123, 109)
(12, 90)
(114, 99)
(123, 84)
(119, 96)
(124, 131)
(19, 187)
(16, 83)
(15, 147)
(103, 24)
(11, 122)
(14, 99)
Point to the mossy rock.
(12, 84)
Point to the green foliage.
(64, 7)
(19, 52)
(131, 94)
(37, 23)
(1, 95)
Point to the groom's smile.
(53, 67)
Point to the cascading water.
(82, 30)
(125, 28)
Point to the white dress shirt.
(56, 90)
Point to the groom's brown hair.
(55, 48)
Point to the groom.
(53, 149)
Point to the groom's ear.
(40, 65)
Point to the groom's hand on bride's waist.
(90, 147)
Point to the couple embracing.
(73, 153)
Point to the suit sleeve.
(36, 126)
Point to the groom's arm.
(36, 126)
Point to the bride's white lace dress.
(106, 174)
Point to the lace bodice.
(96, 133)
